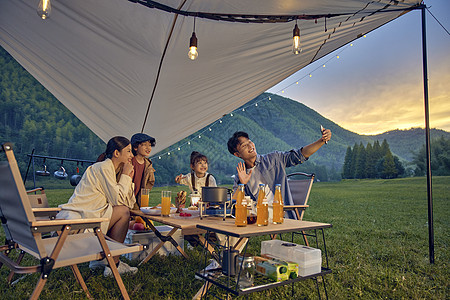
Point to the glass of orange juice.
(165, 203)
(145, 193)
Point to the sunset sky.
(376, 85)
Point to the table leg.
(168, 237)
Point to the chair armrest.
(46, 212)
(35, 190)
(45, 209)
(57, 224)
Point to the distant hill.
(32, 118)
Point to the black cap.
(142, 137)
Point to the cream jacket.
(97, 192)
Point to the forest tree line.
(372, 161)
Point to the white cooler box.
(149, 238)
(309, 259)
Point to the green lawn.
(378, 248)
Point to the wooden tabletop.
(227, 227)
(217, 224)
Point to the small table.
(288, 226)
(188, 226)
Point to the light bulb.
(44, 9)
(296, 40)
(193, 54)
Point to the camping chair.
(300, 189)
(39, 204)
(41, 211)
(23, 231)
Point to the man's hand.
(326, 135)
(242, 173)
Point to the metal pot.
(43, 172)
(215, 194)
(61, 173)
(75, 179)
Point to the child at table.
(144, 173)
(199, 176)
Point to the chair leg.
(111, 263)
(19, 260)
(38, 289)
(80, 280)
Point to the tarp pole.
(427, 137)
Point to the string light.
(296, 40)
(269, 98)
(193, 42)
(44, 9)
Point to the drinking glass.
(165, 203)
(145, 197)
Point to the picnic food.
(180, 200)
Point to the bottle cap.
(261, 184)
(278, 184)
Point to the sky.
(376, 85)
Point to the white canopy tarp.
(122, 68)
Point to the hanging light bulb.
(193, 54)
(296, 40)
(44, 9)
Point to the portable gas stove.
(222, 209)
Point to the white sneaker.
(212, 266)
(96, 264)
(122, 268)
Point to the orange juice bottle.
(278, 213)
(259, 206)
(241, 207)
(265, 209)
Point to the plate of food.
(156, 210)
(187, 213)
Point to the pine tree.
(389, 170)
(353, 161)
(360, 165)
(371, 161)
(347, 172)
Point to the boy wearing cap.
(144, 173)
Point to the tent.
(121, 66)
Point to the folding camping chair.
(23, 231)
(39, 204)
(300, 189)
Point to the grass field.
(378, 249)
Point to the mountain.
(33, 119)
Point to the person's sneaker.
(97, 264)
(122, 268)
(213, 265)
